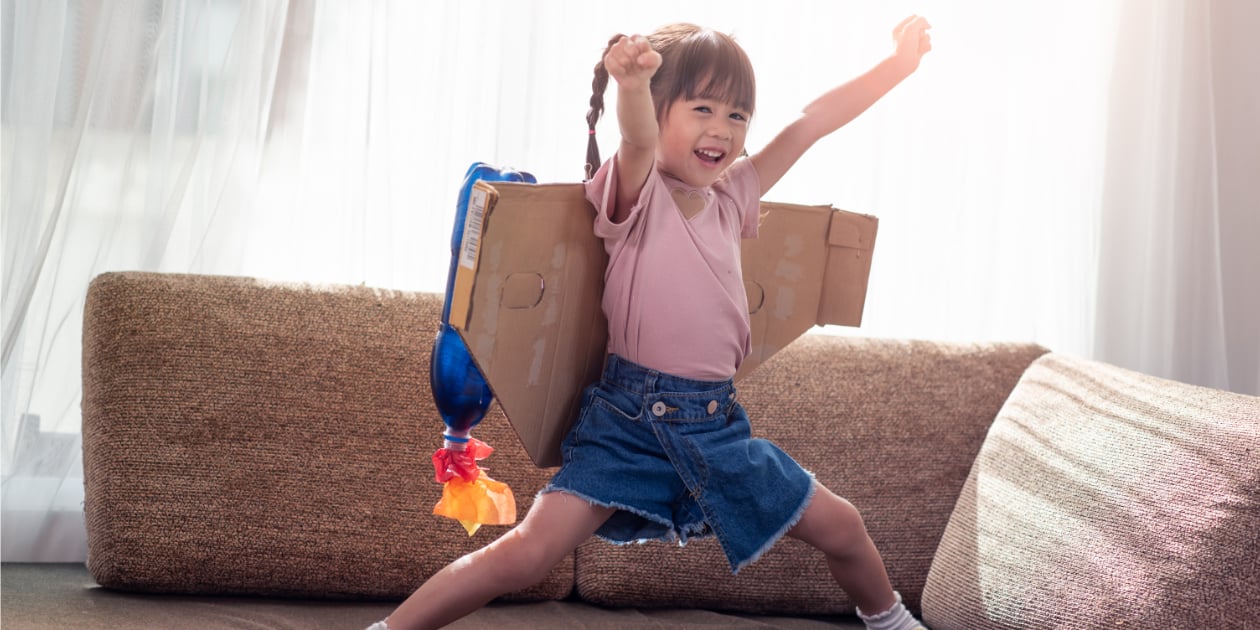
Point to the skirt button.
(712, 406)
(658, 408)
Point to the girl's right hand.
(632, 62)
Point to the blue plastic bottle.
(459, 389)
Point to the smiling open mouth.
(712, 157)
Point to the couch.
(256, 454)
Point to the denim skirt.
(676, 457)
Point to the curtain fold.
(1161, 296)
(1063, 187)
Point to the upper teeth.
(713, 154)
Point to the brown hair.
(695, 63)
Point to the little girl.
(661, 449)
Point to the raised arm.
(842, 104)
(632, 62)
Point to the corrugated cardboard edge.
(481, 199)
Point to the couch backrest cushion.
(1105, 498)
(890, 425)
(271, 439)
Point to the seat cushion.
(1105, 498)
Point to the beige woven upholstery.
(890, 425)
(243, 437)
(1103, 498)
(255, 438)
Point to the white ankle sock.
(895, 618)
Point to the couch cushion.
(247, 437)
(1105, 498)
(890, 425)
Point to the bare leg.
(835, 527)
(556, 524)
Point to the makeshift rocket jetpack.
(527, 294)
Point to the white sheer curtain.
(323, 141)
(1179, 266)
(133, 139)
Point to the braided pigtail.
(599, 85)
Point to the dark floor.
(60, 596)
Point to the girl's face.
(700, 138)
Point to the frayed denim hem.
(696, 531)
(796, 518)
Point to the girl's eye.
(704, 109)
(738, 116)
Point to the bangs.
(710, 65)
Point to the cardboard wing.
(530, 281)
(808, 266)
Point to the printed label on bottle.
(472, 229)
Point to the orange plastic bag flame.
(468, 494)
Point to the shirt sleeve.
(601, 191)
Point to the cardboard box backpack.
(530, 281)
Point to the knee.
(848, 516)
(848, 527)
(833, 525)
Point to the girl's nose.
(720, 131)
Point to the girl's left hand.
(913, 41)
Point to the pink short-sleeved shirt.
(674, 288)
